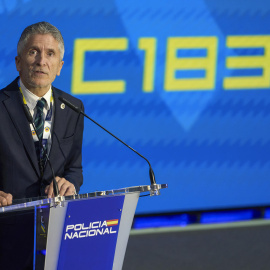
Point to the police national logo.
(96, 228)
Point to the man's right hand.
(5, 199)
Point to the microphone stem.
(78, 110)
(151, 172)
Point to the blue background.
(211, 147)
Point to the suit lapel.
(14, 106)
(59, 124)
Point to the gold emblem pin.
(63, 106)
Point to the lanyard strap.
(47, 123)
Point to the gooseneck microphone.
(78, 110)
(30, 120)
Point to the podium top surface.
(22, 204)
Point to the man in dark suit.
(24, 170)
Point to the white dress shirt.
(31, 100)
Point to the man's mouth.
(40, 72)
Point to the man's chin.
(37, 85)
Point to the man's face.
(39, 63)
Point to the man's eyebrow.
(50, 50)
(33, 48)
(38, 49)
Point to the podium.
(88, 231)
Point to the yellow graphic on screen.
(174, 63)
(149, 46)
(82, 45)
(248, 62)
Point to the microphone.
(30, 120)
(151, 172)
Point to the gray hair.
(42, 28)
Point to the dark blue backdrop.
(208, 137)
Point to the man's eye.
(51, 53)
(33, 52)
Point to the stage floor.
(230, 246)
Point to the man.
(24, 170)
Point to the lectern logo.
(95, 228)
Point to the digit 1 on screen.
(149, 46)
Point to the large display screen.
(186, 83)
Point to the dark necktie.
(39, 124)
(39, 119)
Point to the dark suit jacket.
(19, 171)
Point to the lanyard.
(47, 122)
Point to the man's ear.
(18, 63)
(59, 68)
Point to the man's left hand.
(65, 187)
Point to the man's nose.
(41, 59)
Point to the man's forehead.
(42, 39)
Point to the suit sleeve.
(73, 168)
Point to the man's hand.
(65, 187)
(5, 199)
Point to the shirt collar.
(32, 99)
